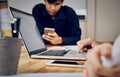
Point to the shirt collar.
(59, 15)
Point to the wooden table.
(28, 65)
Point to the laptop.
(34, 43)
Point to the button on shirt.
(65, 23)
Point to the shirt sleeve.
(74, 26)
(37, 16)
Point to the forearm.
(98, 42)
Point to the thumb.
(55, 34)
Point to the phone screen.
(68, 62)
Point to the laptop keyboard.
(55, 52)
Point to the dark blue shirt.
(66, 23)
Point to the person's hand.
(84, 45)
(94, 65)
(53, 38)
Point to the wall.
(24, 5)
(90, 28)
(27, 5)
(107, 20)
(103, 19)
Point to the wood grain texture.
(29, 65)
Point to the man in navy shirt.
(62, 18)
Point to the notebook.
(34, 43)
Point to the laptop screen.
(28, 30)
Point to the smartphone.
(66, 63)
(48, 30)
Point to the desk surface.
(28, 65)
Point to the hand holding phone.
(51, 36)
(48, 30)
